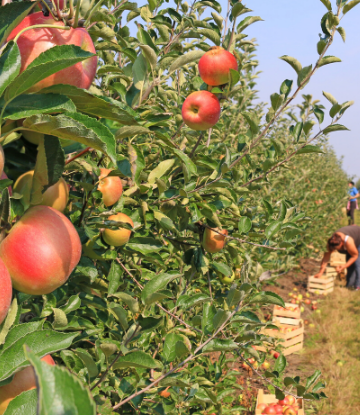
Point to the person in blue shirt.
(352, 203)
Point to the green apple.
(227, 280)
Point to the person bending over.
(345, 240)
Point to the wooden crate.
(286, 316)
(264, 398)
(323, 285)
(292, 341)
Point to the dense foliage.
(142, 318)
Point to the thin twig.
(78, 155)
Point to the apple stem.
(77, 11)
(40, 26)
(71, 6)
(48, 8)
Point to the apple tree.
(182, 210)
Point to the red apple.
(290, 411)
(278, 409)
(201, 110)
(290, 399)
(110, 187)
(276, 355)
(35, 41)
(5, 291)
(314, 307)
(215, 65)
(41, 251)
(261, 406)
(2, 159)
(213, 242)
(283, 402)
(270, 410)
(22, 381)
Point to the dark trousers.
(351, 213)
(353, 272)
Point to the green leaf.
(267, 297)
(309, 149)
(71, 305)
(222, 268)
(12, 358)
(10, 63)
(188, 165)
(47, 63)
(276, 100)
(319, 114)
(310, 381)
(297, 131)
(326, 60)
(9, 321)
(150, 55)
(237, 9)
(156, 284)
(131, 131)
(321, 46)
(144, 245)
(335, 127)
(342, 33)
(137, 162)
(139, 71)
(273, 229)
(114, 277)
(234, 77)
(220, 317)
(60, 319)
(25, 403)
(59, 391)
(286, 87)
(347, 6)
(50, 163)
(334, 110)
(77, 127)
(137, 359)
(88, 361)
(169, 351)
(220, 345)
(280, 364)
(244, 224)
(131, 302)
(327, 4)
(21, 330)
(330, 97)
(160, 170)
(11, 15)
(294, 63)
(27, 105)
(303, 74)
(189, 57)
(187, 301)
(96, 105)
(210, 34)
(252, 121)
(247, 22)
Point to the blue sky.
(292, 27)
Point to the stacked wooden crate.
(324, 284)
(337, 259)
(263, 398)
(290, 328)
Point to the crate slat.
(281, 312)
(285, 320)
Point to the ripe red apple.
(5, 291)
(3, 177)
(307, 301)
(41, 251)
(290, 411)
(22, 381)
(283, 402)
(270, 410)
(261, 406)
(110, 187)
(215, 65)
(35, 41)
(56, 196)
(290, 399)
(201, 110)
(314, 307)
(276, 355)
(212, 241)
(120, 236)
(278, 409)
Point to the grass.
(334, 348)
